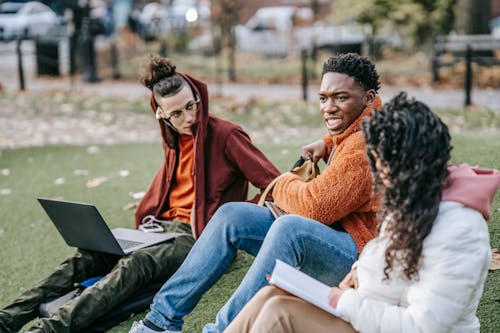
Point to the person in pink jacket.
(426, 269)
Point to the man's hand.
(314, 151)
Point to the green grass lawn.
(30, 246)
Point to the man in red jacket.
(336, 210)
(208, 162)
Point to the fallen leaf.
(137, 195)
(130, 206)
(495, 259)
(123, 173)
(93, 150)
(5, 172)
(59, 181)
(96, 182)
(2, 232)
(80, 172)
(5, 191)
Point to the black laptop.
(81, 225)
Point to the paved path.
(489, 98)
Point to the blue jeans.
(315, 248)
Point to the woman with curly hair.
(208, 161)
(426, 269)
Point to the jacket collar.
(356, 125)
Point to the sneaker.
(139, 327)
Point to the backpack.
(138, 302)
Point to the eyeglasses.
(179, 115)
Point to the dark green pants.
(122, 276)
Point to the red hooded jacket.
(225, 160)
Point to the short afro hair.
(356, 66)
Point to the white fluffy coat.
(455, 261)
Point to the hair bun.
(157, 69)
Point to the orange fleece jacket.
(343, 191)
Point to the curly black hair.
(356, 66)
(408, 147)
(159, 76)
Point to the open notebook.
(302, 285)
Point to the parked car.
(279, 30)
(26, 20)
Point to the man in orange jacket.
(335, 210)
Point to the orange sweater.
(342, 192)
(181, 196)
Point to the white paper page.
(302, 285)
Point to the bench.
(479, 49)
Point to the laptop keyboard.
(125, 243)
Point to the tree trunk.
(471, 16)
(232, 56)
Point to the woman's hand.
(334, 297)
(350, 280)
(314, 151)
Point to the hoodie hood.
(199, 89)
(225, 160)
(472, 187)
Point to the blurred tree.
(472, 16)
(224, 17)
(315, 9)
(416, 21)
